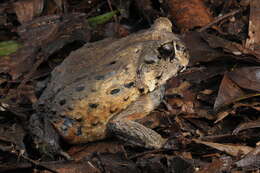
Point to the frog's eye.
(167, 50)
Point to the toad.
(102, 88)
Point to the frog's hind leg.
(124, 127)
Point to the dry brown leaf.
(199, 49)
(221, 116)
(26, 10)
(228, 93)
(251, 161)
(189, 13)
(246, 77)
(216, 166)
(80, 152)
(231, 47)
(247, 125)
(72, 167)
(254, 105)
(42, 37)
(234, 150)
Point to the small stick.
(218, 19)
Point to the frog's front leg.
(124, 126)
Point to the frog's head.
(163, 57)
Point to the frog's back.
(88, 88)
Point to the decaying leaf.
(11, 137)
(80, 152)
(251, 161)
(189, 14)
(221, 116)
(230, 47)
(26, 10)
(246, 77)
(233, 150)
(42, 37)
(217, 165)
(199, 49)
(247, 125)
(228, 93)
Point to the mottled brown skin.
(104, 86)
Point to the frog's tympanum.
(104, 87)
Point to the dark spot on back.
(80, 88)
(129, 85)
(79, 131)
(93, 90)
(99, 77)
(93, 105)
(112, 62)
(115, 91)
(62, 102)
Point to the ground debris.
(210, 113)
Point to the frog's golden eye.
(167, 51)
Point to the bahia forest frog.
(102, 88)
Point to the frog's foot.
(124, 126)
(136, 134)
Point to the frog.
(103, 88)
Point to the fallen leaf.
(231, 47)
(254, 105)
(216, 166)
(246, 77)
(233, 150)
(42, 37)
(81, 152)
(221, 116)
(71, 167)
(199, 49)
(251, 161)
(228, 93)
(26, 10)
(247, 125)
(189, 14)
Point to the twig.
(218, 19)
(111, 8)
(146, 152)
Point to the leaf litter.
(210, 114)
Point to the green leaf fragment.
(101, 19)
(9, 47)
